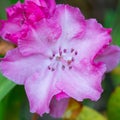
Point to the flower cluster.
(59, 54)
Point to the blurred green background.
(13, 101)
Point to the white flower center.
(64, 59)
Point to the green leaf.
(115, 75)
(109, 18)
(3, 5)
(113, 108)
(112, 19)
(15, 106)
(2, 108)
(5, 86)
(89, 114)
(15, 1)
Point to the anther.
(70, 67)
(65, 50)
(72, 59)
(76, 52)
(63, 67)
(53, 55)
(53, 69)
(72, 50)
(60, 53)
(49, 68)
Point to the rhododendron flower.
(28, 12)
(59, 57)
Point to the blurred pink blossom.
(24, 13)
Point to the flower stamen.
(64, 56)
(72, 50)
(76, 52)
(63, 67)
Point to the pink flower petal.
(58, 107)
(35, 1)
(61, 95)
(50, 4)
(13, 24)
(14, 10)
(71, 20)
(18, 68)
(82, 82)
(40, 89)
(6, 31)
(34, 13)
(94, 39)
(40, 37)
(110, 56)
(18, 15)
